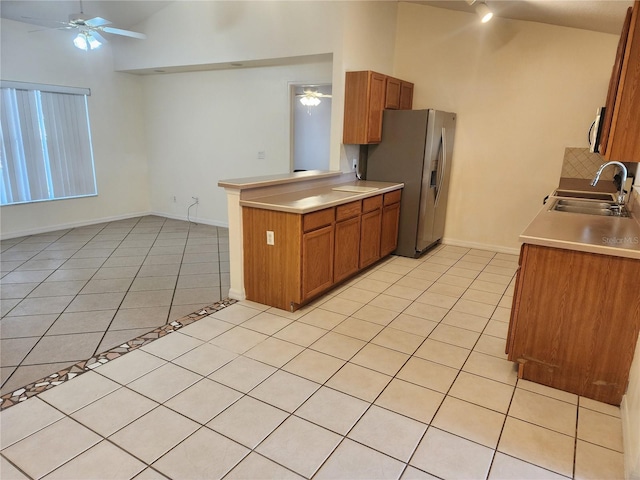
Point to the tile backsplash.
(580, 163)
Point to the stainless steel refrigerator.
(416, 149)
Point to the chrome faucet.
(623, 180)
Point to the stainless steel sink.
(589, 207)
(587, 195)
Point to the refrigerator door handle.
(442, 165)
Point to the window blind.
(46, 151)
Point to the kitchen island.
(576, 308)
(293, 236)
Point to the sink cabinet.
(367, 94)
(620, 140)
(313, 252)
(575, 320)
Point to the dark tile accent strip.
(57, 378)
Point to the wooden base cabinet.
(575, 321)
(311, 252)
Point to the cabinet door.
(317, 261)
(406, 96)
(347, 249)
(392, 97)
(370, 237)
(389, 235)
(623, 143)
(614, 82)
(377, 86)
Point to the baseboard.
(53, 228)
(202, 221)
(63, 226)
(480, 246)
(236, 295)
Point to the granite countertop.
(618, 236)
(318, 198)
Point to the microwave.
(595, 131)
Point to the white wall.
(523, 92)
(359, 34)
(194, 143)
(125, 108)
(203, 127)
(115, 113)
(195, 32)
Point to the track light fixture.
(483, 11)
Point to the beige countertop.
(279, 179)
(314, 199)
(618, 236)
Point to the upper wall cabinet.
(366, 95)
(620, 140)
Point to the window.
(45, 151)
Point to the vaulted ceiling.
(598, 15)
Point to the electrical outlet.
(270, 238)
(261, 155)
(355, 164)
(196, 199)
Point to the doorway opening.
(311, 126)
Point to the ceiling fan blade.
(42, 22)
(126, 33)
(97, 22)
(50, 29)
(98, 37)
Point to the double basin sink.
(590, 203)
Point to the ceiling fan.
(311, 97)
(90, 30)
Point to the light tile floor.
(69, 294)
(400, 373)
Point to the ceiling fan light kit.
(86, 41)
(310, 101)
(311, 97)
(90, 30)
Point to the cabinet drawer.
(348, 210)
(371, 203)
(392, 197)
(318, 219)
